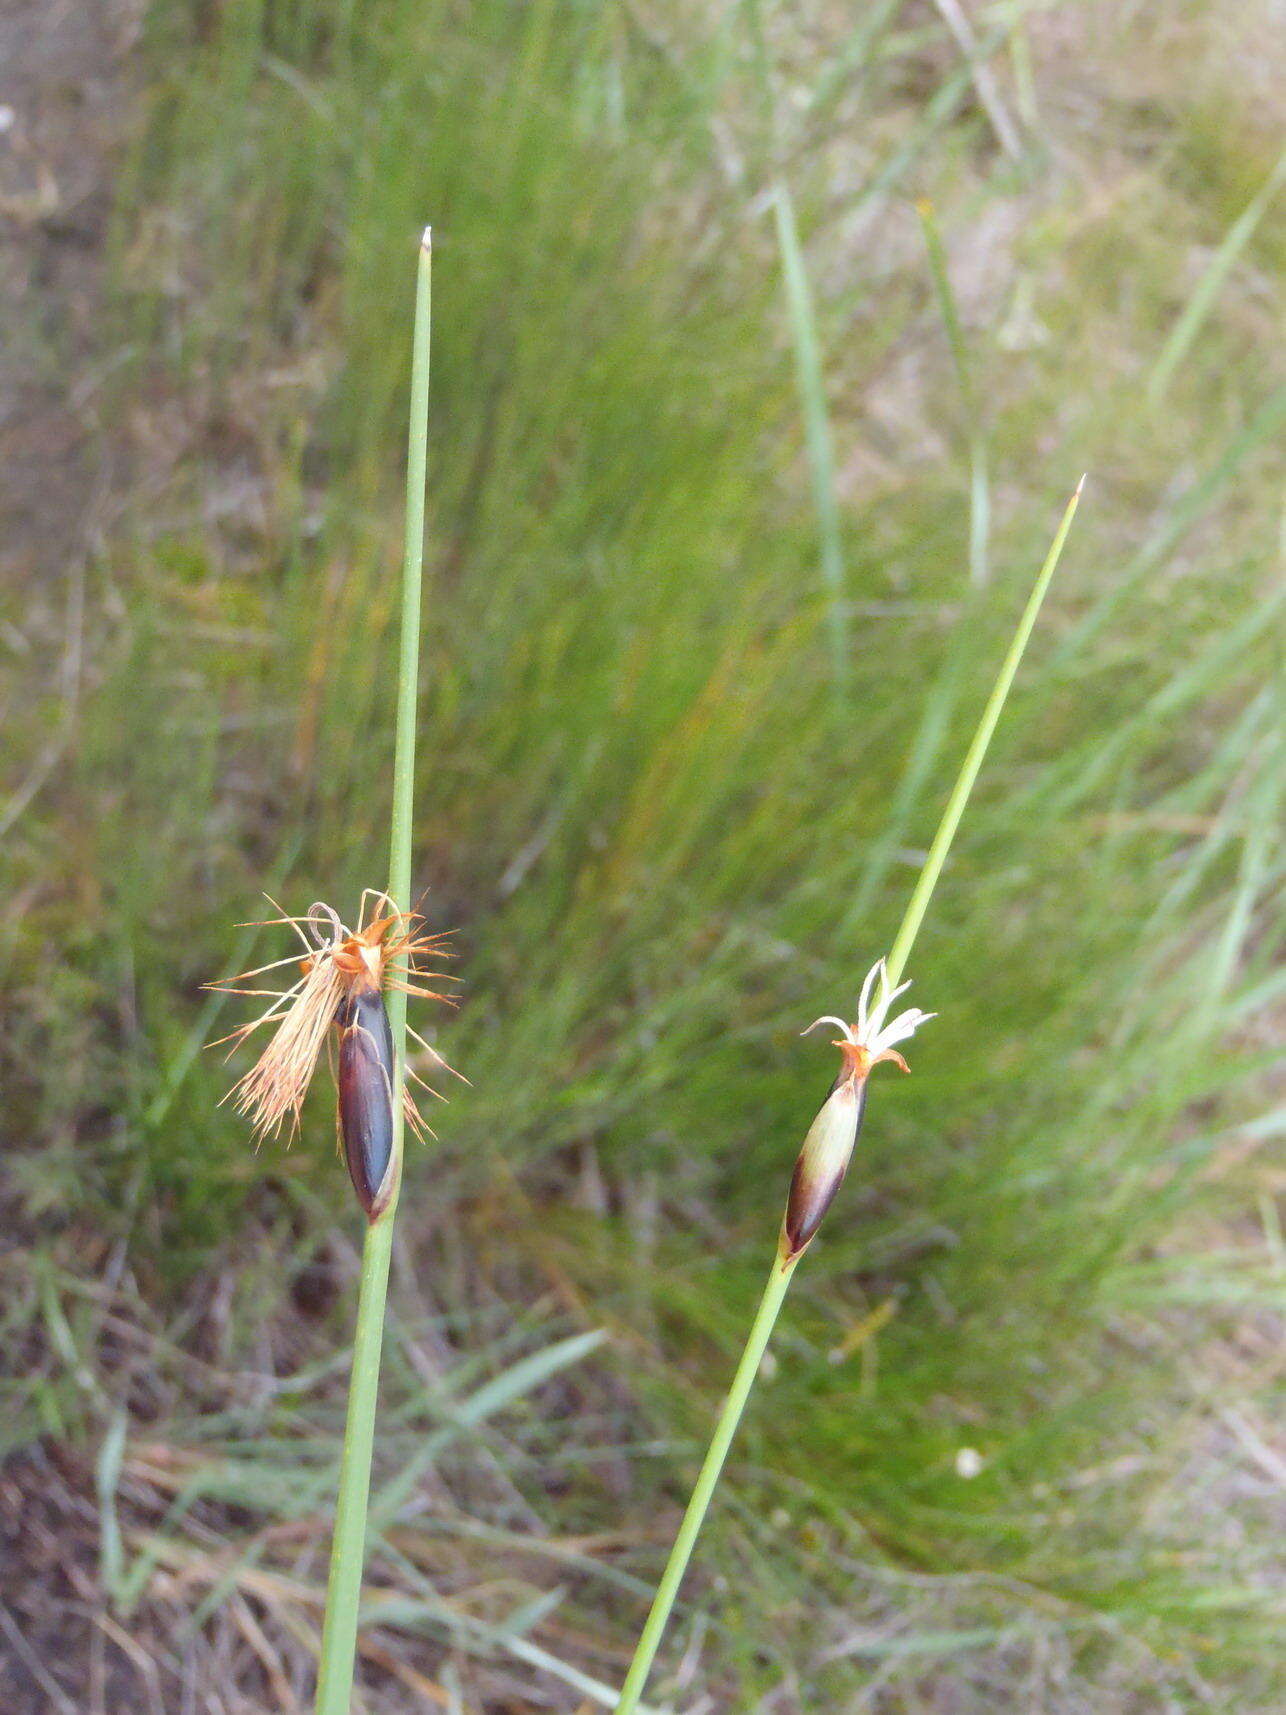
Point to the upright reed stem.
(927, 879)
(348, 1551)
(707, 1478)
(783, 1265)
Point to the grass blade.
(817, 428)
(520, 1378)
(1187, 510)
(979, 483)
(1211, 283)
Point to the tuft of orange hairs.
(344, 975)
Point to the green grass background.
(669, 832)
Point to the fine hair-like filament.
(384, 953)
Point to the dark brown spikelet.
(365, 1080)
(345, 975)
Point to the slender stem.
(348, 1551)
(928, 877)
(417, 458)
(782, 1270)
(724, 1430)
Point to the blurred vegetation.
(668, 833)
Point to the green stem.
(348, 1551)
(417, 459)
(782, 1270)
(724, 1430)
(927, 879)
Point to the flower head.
(871, 1040)
(339, 963)
(828, 1148)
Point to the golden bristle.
(277, 1083)
(274, 1088)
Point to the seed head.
(376, 956)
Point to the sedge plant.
(354, 986)
(828, 1146)
(348, 1549)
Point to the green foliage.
(664, 846)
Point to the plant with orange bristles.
(345, 976)
(345, 973)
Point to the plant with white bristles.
(832, 1135)
(871, 1034)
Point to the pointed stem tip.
(426, 239)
